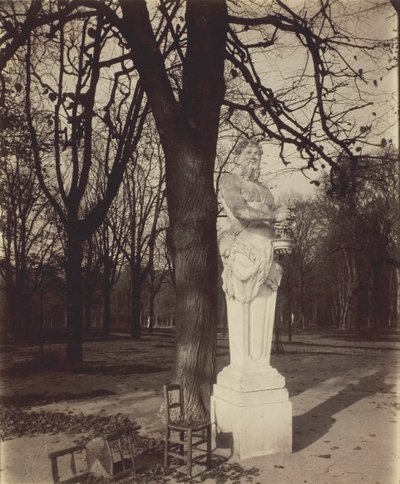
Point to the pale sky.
(370, 19)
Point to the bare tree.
(143, 194)
(78, 115)
(301, 277)
(27, 234)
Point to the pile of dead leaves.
(234, 473)
(15, 422)
(222, 472)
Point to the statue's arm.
(230, 191)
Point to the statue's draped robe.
(246, 247)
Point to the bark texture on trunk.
(195, 325)
(193, 243)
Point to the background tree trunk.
(74, 298)
(88, 310)
(106, 308)
(135, 306)
(151, 311)
(106, 296)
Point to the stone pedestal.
(250, 407)
(252, 423)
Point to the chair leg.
(208, 430)
(132, 455)
(54, 469)
(189, 452)
(182, 446)
(166, 449)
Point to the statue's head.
(248, 158)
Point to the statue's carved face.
(249, 162)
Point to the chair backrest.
(76, 457)
(174, 408)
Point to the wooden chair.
(122, 453)
(115, 451)
(191, 435)
(73, 452)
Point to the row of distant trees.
(342, 273)
(132, 236)
(344, 270)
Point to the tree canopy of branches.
(199, 62)
(28, 237)
(141, 205)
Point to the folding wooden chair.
(114, 450)
(77, 474)
(182, 437)
(122, 453)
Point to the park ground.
(344, 394)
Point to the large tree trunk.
(74, 298)
(196, 324)
(193, 244)
(188, 133)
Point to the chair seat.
(185, 425)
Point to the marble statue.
(251, 274)
(250, 404)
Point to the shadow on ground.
(306, 370)
(314, 424)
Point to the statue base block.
(250, 377)
(252, 423)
